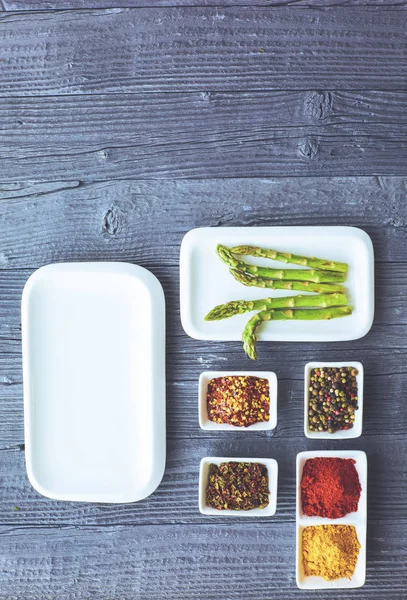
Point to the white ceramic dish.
(206, 282)
(94, 381)
(268, 511)
(356, 430)
(358, 519)
(205, 423)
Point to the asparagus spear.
(291, 274)
(237, 307)
(299, 286)
(286, 257)
(249, 332)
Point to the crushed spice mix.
(237, 486)
(238, 400)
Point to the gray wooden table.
(120, 130)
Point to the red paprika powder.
(330, 487)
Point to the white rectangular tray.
(358, 519)
(206, 282)
(94, 381)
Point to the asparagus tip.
(250, 350)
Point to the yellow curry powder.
(330, 551)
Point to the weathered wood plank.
(390, 307)
(212, 48)
(385, 381)
(31, 5)
(203, 135)
(176, 499)
(207, 562)
(143, 221)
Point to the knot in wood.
(206, 96)
(398, 223)
(318, 105)
(308, 148)
(112, 221)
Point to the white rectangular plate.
(205, 423)
(206, 281)
(357, 519)
(341, 434)
(268, 511)
(94, 381)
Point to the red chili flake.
(238, 400)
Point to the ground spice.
(330, 551)
(333, 398)
(237, 486)
(238, 400)
(330, 487)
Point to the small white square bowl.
(268, 511)
(356, 430)
(206, 423)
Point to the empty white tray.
(358, 519)
(206, 282)
(94, 381)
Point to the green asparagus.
(237, 307)
(249, 332)
(286, 257)
(291, 274)
(299, 286)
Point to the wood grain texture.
(144, 222)
(162, 547)
(176, 499)
(204, 49)
(206, 562)
(203, 135)
(30, 5)
(142, 100)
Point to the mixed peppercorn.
(238, 400)
(333, 398)
(237, 486)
